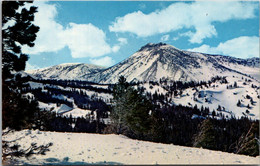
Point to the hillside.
(73, 71)
(220, 95)
(85, 149)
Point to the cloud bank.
(241, 47)
(105, 61)
(83, 40)
(199, 16)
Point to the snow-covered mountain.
(67, 71)
(157, 61)
(248, 66)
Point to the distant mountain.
(157, 61)
(248, 66)
(160, 61)
(67, 71)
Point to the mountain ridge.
(66, 71)
(156, 61)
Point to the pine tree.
(213, 113)
(248, 143)
(130, 113)
(138, 108)
(239, 103)
(206, 136)
(252, 101)
(17, 110)
(119, 112)
(22, 32)
(235, 84)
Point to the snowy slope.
(157, 61)
(77, 112)
(154, 88)
(212, 97)
(85, 149)
(75, 71)
(219, 95)
(67, 111)
(249, 66)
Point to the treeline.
(80, 98)
(176, 125)
(24, 113)
(76, 84)
(137, 117)
(46, 120)
(173, 86)
(50, 121)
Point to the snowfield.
(85, 148)
(219, 95)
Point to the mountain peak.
(155, 61)
(152, 45)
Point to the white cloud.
(83, 40)
(115, 48)
(122, 41)
(196, 15)
(165, 38)
(49, 37)
(105, 61)
(241, 47)
(31, 67)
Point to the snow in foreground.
(84, 148)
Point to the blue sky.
(105, 33)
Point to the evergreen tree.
(239, 103)
(138, 108)
(213, 113)
(158, 132)
(17, 110)
(130, 112)
(22, 32)
(120, 88)
(206, 137)
(248, 143)
(235, 84)
(119, 111)
(252, 101)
